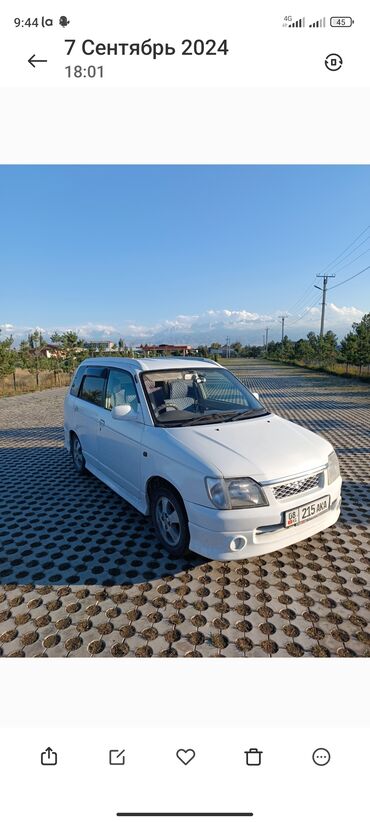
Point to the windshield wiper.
(216, 416)
(250, 413)
(205, 418)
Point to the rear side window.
(76, 382)
(92, 389)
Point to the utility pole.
(227, 347)
(267, 337)
(282, 318)
(325, 278)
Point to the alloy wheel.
(168, 521)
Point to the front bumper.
(258, 530)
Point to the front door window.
(120, 390)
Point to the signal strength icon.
(298, 24)
(319, 24)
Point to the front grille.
(298, 486)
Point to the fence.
(20, 382)
(339, 368)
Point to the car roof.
(152, 363)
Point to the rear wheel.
(170, 520)
(77, 455)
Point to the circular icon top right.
(334, 62)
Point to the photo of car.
(184, 407)
(188, 444)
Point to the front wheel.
(170, 521)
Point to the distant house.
(164, 350)
(103, 346)
(51, 351)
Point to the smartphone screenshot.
(184, 411)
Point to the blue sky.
(146, 251)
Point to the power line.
(302, 305)
(340, 257)
(300, 317)
(346, 265)
(303, 298)
(344, 257)
(328, 267)
(349, 278)
(306, 312)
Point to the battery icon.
(341, 22)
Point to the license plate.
(305, 512)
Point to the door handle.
(101, 422)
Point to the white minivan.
(185, 441)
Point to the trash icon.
(253, 756)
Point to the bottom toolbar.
(102, 774)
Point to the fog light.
(238, 543)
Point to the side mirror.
(256, 394)
(120, 412)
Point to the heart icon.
(185, 756)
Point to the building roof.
(151, 363)
(150, 347)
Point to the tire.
(170, 520)
(77, 455)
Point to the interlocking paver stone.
(81, 572)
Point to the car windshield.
(196, 396)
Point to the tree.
(68, 340)
(255, 351)
(36, 340)
(72, 345)
(362, 332)
(355, 347)
(328, 346)
(349, 349)
(303, 350)
(314, 343)
(288, 348)
(274, 349)
(7, 356)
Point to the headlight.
(217, 492)
(235, 493)
(333, 467)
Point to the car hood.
(265, 448)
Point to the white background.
(271, 102)
(139, 693)
(194, 126)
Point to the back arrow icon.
(33, 60)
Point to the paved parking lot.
(81, 573)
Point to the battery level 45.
(341, 22)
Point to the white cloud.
(209, 325)
(92, 330)
(349, 313)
